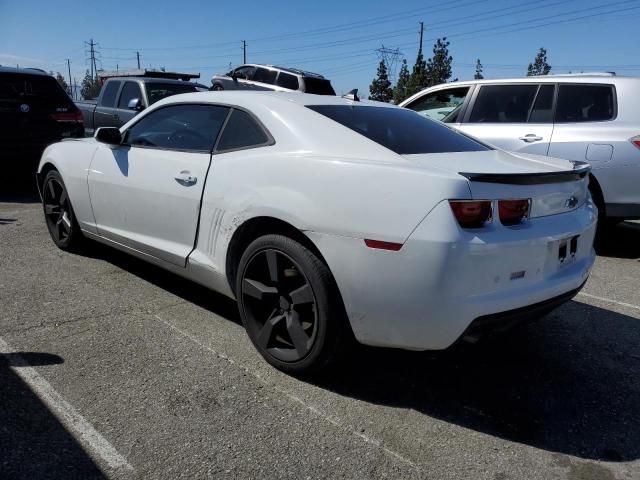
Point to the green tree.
(380, 88)
(90, 87)
(478, 75)
(539, 65)
(439, 66)
(61, 81)
(418, 78)
(400, 90)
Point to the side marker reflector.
(379, 244)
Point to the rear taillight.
(74, 115)
(471, 213)
(513, 212)
(636, 141)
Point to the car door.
(514, 117)
(243, 77)
(445, 105)
(106, 114)
(146, 192)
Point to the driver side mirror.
(109, 135)
(135, 104)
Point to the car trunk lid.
(553, 185)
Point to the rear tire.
(217, 87)
(58, 212)
(290, 305)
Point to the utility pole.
(69, 67)
(421, 32)
(138, 56)
(92, 57)
(244, 51)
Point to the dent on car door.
(516, 117)
(146, 192)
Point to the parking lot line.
(608, 300)
(332, 420)
(75, 423)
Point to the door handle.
(531, 137)
(185, 178)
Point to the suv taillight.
(512, 212)
(74, 115)
(636, 141)
(471, 213)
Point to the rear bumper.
(428, 294)
(502, 321)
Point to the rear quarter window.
(318, 86)
(401, 130)
(240, 132)
(585, 103)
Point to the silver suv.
(592, 117)
(269, 77)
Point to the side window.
(179, 127)
(130, 91)
(443, 105)
(244, 73)
(286, 80)
(241, 131)
(109, 94)
(585, 103)
(503, 103)
(542, 111)
(265, 75)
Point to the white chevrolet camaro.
(329, 218)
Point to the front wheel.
(217, 87)
(289, 305)
(58, 213)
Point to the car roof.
(156, 80)
(26, 71)
(247, 98)
(559, 78)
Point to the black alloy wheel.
(287, 303)
(58, 212)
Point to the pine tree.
(380, 88)
(438, 68)
(478, 75)
(400, 90)
(90, 86)
(539, 65)
(418, 78)
(62, 82)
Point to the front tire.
(217, 87)
(58, 213)
(289, 305)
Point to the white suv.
(592, 117)
(270, 77)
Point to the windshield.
(402, 131)
(158, 91)
(319, 86)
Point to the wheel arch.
(597, 194)
(254, 228)
(42, 173)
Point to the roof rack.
(148, 72)
(582, 74)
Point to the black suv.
(35, 111)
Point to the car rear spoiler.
(580, 170)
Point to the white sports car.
(328, 218)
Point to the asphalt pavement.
(112, 368)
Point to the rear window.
(585, 103)
(19, 87)
(503, 104)
(318, 86)
(158, 91)
(403, 131)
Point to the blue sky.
(335, 38)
